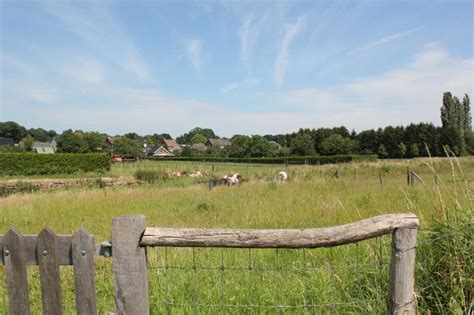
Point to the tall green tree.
(11, 129)
(454, 120)
(302, 144)
(72, 142)
(128, 147)
(198, 138)
(336, 144)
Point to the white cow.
(282, 177)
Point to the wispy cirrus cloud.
(246, 83)
(249, 32)
(384, 40)
(101, 34)
(193, 49)
(292, 31)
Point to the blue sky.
(246, 67)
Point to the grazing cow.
(282, 177)
(195, 174)
(232, 179)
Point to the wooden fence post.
(402, 272)
(129, 266)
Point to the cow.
(229, 180)
(232, 179)
(282, 177)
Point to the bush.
(313, 160)
(150, 176)
(47, 164)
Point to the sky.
(238, 67)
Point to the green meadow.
(346, 279)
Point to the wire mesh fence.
(351, 278)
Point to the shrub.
(313, 160)
(47, 164)
(151, 176)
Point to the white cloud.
(246, 83)
(411, 93)
(282, 60)
(86, 70)
(193, 48)
(384, 40)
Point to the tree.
(28, 142)
(72, 142)
(414, 151)
(39, 134)
(198, 138)
(186, 138)
(11, 129)
(402, 149)
(260, 147)
(382, 152)
(128, 147)
(95, 141)
(240, 146)
(468, 132)
(454, 120)
(302, 144)
(336, 144)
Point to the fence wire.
(350, 278)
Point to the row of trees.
(413, 140)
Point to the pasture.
(348, 279)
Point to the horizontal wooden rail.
(64, 249)
(279, 238)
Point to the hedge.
(47, 164)
(313, 160)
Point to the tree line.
(415, 140)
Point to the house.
(162, 151)
(201, 147)
(220, 143)
(7, 141)
(44, 147)
(172, 145)
(149, 151)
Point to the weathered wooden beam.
(64, 249)
(402, 300)
(129, 266)
(15, 269)
(47, 252)
(279, 238)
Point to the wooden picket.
(48, 251)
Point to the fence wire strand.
(222, 279)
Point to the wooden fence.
(130, 237)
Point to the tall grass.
(347, 279)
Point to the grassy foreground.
(345, 279)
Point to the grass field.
(348, 279)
